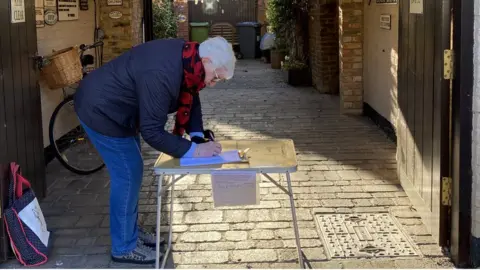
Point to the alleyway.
(346, 165)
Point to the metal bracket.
(446, 191)
(448, 70)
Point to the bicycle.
(67, 135)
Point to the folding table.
(275, 156)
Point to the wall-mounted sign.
(386, 1)
(67, 10)
(18, 11)
(50, 3)
(38, 3)
(416, 6)
(51, 17)
(83, 4)
(114, 2)
(181, 18)
(39, 17)
(386, 21)
(115, 14)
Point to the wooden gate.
(20, 108)
(230, 11)
(423, 151)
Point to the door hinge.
(446, 191)
(448, 70)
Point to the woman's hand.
(208, 149)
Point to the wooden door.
(424, 115)
(20, 109)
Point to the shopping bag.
(25, 223)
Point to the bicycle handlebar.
(84, 47)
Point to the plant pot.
(298, 77)
(276, 58)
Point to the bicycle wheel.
(71, 144)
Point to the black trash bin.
(249, 39)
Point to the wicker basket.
(62, 68)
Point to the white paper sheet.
(235, 188)
(225, 157)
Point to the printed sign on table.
(235, 188)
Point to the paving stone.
(196, 237)
(201, 257)
(184, 246)
(262, 234)
(269, 244)
(235, 216)
(259, 215)
(272, 225)
(243, 226)
(236, 235)
(217, 246)
(203, 217)
(256, 255)
(286, 214)
(209, 227)
(290, 234)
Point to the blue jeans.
(123, 159)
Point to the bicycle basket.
(62, 68)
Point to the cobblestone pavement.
(346, 165)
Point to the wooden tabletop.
(265, 156)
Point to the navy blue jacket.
(138, 89)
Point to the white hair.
(220, 52)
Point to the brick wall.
(181, 8)
(323, 33)
(118, 32)
(351, 56)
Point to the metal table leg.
(295, 223)
(289, 192)
(159, 213)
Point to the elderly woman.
(133, 94)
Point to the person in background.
(133, 94)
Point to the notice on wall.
(67, 10)
(50, 3)
(83, 4)
(38, 3)
(385, 21)
(18, 11)
(386, 1)
(114, 2)
(39, 17)
(416, 6)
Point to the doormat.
(364, 235)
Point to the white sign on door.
(50, 3)
(416, 6)
(67, 10)
(18, 11)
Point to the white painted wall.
(380, 60)
(476, 125)
(56, 37)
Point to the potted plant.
(296, 72)
(277, 54)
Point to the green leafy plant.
(288, 19)
(290, 64)
(164, 20)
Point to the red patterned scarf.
(193, 82)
